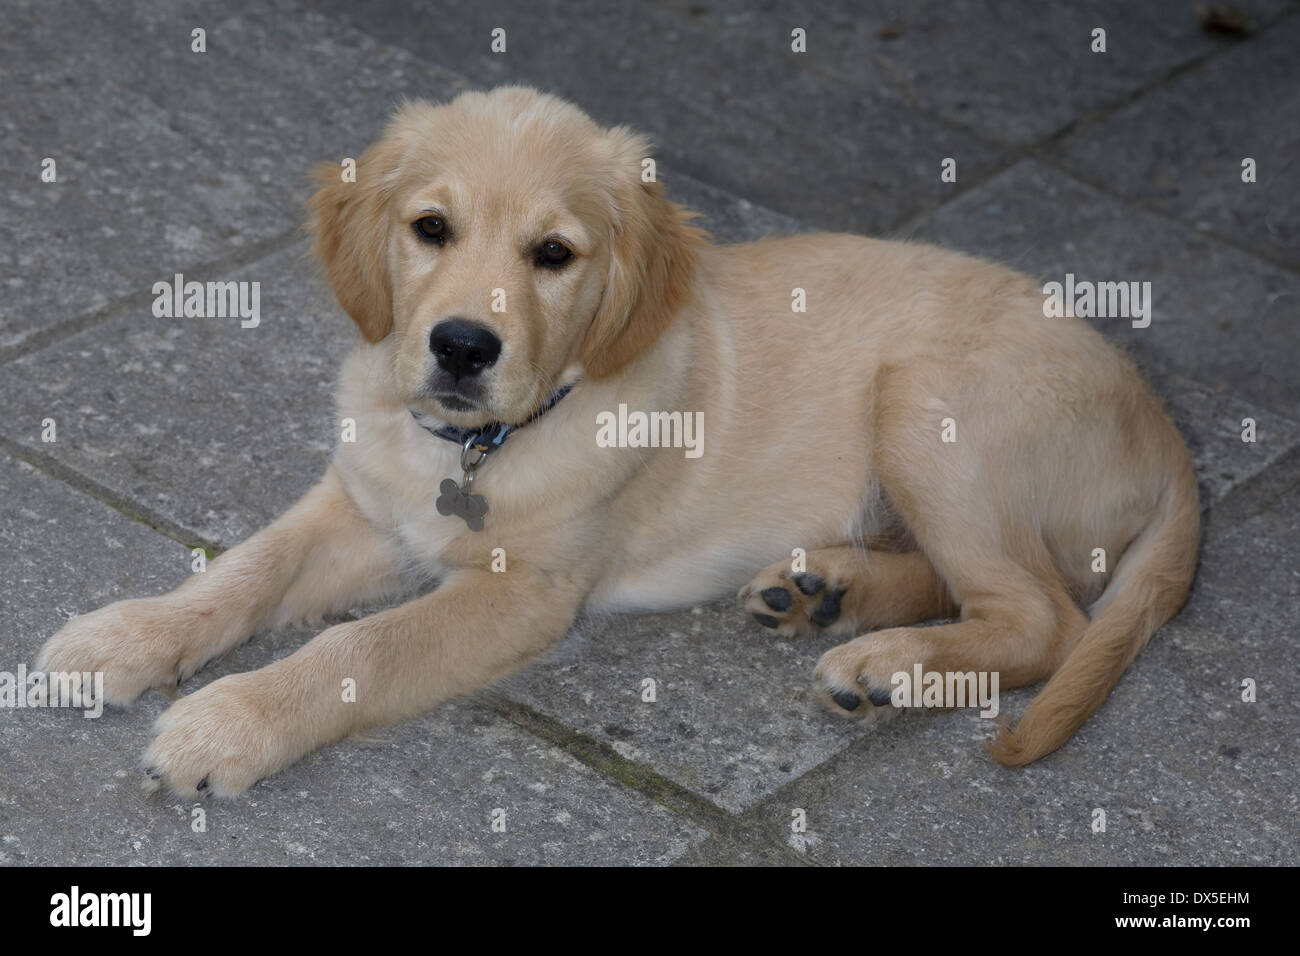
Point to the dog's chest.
(393, 473)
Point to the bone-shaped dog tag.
(458, 501)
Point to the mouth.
(455, 403)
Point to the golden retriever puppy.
(919, 443)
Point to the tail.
(1150, 585)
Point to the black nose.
(463, 348)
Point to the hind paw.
(794, 603)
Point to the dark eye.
(431, 229)
(553, 254)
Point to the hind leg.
(846, 590)
(1021, 635)
(974, 519)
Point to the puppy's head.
(506, 243)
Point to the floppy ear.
(652, 266)
(351, 228)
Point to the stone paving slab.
(218, 428)
(732, 718)
(280, 88)
(75, 245)
(1007, 72)
(422, 792)
(1211, 424)
(1221, 317)
(213, 149)
(1186, 771)
(727, 217)
(935, 798)
(63, 553)
(718, 107)
(1180, 148)
(1248, 586)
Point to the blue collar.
(491, 436)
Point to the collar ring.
(472, 454)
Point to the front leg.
(476, 628)
(322, 555)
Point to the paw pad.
(793, 604)
(827, 611)
(846, 699)
(808, 582)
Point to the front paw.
(134, 644)
(222, 739)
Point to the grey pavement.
(182, 433)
